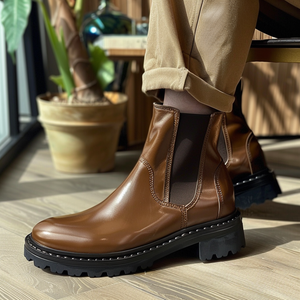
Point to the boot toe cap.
(49, 233)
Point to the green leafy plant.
(60, 52)
(14, 18)
(103, 67)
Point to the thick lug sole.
(215, 239)
(256, 188)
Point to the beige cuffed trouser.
(199, 46)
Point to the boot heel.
(222, 246)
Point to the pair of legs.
(180, 192)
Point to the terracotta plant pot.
(83, 138)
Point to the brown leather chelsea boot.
(179, 194)
(253, 181)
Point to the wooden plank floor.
(268, 268)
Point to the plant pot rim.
(45, 98)
(56, 114)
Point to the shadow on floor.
(272, 210)
(46, 187)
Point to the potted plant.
(82, 124)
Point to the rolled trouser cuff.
(181, 80)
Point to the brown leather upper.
(244, 153)
(139, 211)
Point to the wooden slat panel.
(271, 98)
(134, 9)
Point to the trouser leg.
(200, 47)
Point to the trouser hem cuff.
(183, 80)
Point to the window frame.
(21, 134)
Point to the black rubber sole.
(256, 188)
(215, 239)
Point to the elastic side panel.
(191, 133)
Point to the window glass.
(23, 92)
(4, 125)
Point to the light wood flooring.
(268, 268)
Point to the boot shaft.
(182, 151)
(241, 150)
